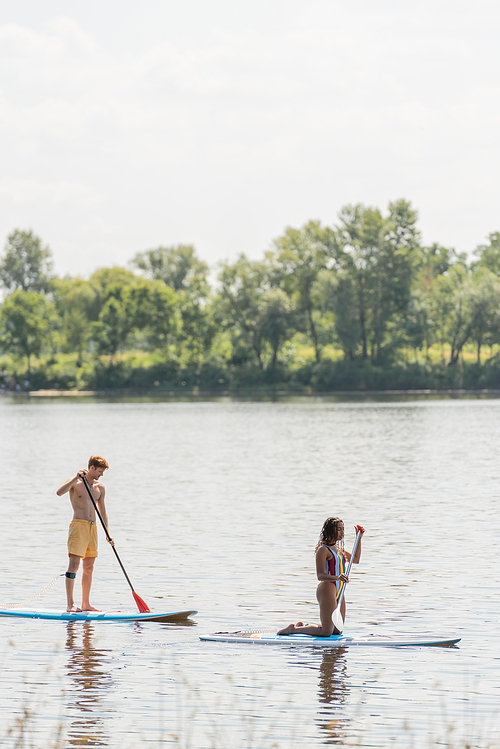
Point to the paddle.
(337, 619)
(141, 605)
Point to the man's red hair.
(98, 462)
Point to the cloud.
(322, 105)
(63, 38)
(55, 194)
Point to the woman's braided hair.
(329, 533)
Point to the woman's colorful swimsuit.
(336, 566)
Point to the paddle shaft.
(106, 531)
(356, 542)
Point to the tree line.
(360, 294)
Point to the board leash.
(38, 595)
(249, 632)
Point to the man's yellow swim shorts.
(82, 538)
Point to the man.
(82, 536)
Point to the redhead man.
(82, 536)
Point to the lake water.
(217, 506)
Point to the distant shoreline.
(306, 393)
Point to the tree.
(180, 269)
(485, 308)
(27, 320)
(489, 254)
(26, 264)
(436, 260)
(198, 327)
(113, 327)
(75, 301)
(467, 305)
(297, 259)
(419, 324)
(133, 304)
(114, 309)
(379, 256)
(356, 253)
(106, 282)
(116, 320)
(177, 266)
(277, 317)
(396, 267)
(242, 285)
(339, 295)
(156, 312)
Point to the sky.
(125, 126)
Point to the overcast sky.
(125, 125)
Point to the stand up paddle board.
(335, 641)
(100, 616)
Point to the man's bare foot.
(89, 608)
(73, 609)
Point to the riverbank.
(252, 393)
(137, 373)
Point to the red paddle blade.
(141, 605)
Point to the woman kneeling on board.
(331, 559)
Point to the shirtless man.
(82, 536)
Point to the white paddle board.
(335, 641)
(100, 616)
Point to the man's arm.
(69, 483)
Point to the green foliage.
(76, 303)
(27, 320)
(436, 260)
(484, 310)
(339, 307)
(105, 283)
(26, 264)
(182, 271)
(127, 304)
(114, 325)
(177, 266)
(337, 294)
(239, 308)
(277, 315)
(156, 312)
(117, 315)
(489, 254)
(379, 257)
(298, 258)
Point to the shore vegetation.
(359, 305)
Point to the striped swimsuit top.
(336, 566)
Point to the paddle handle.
(106, 530)
(356, 542)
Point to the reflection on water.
(332, 693)
(89, 684)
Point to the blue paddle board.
(100, 616)
(335, 641)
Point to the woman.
(331, 560)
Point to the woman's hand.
(342, 578)
(359, 529)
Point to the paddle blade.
(337, 620)
(141, 605)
